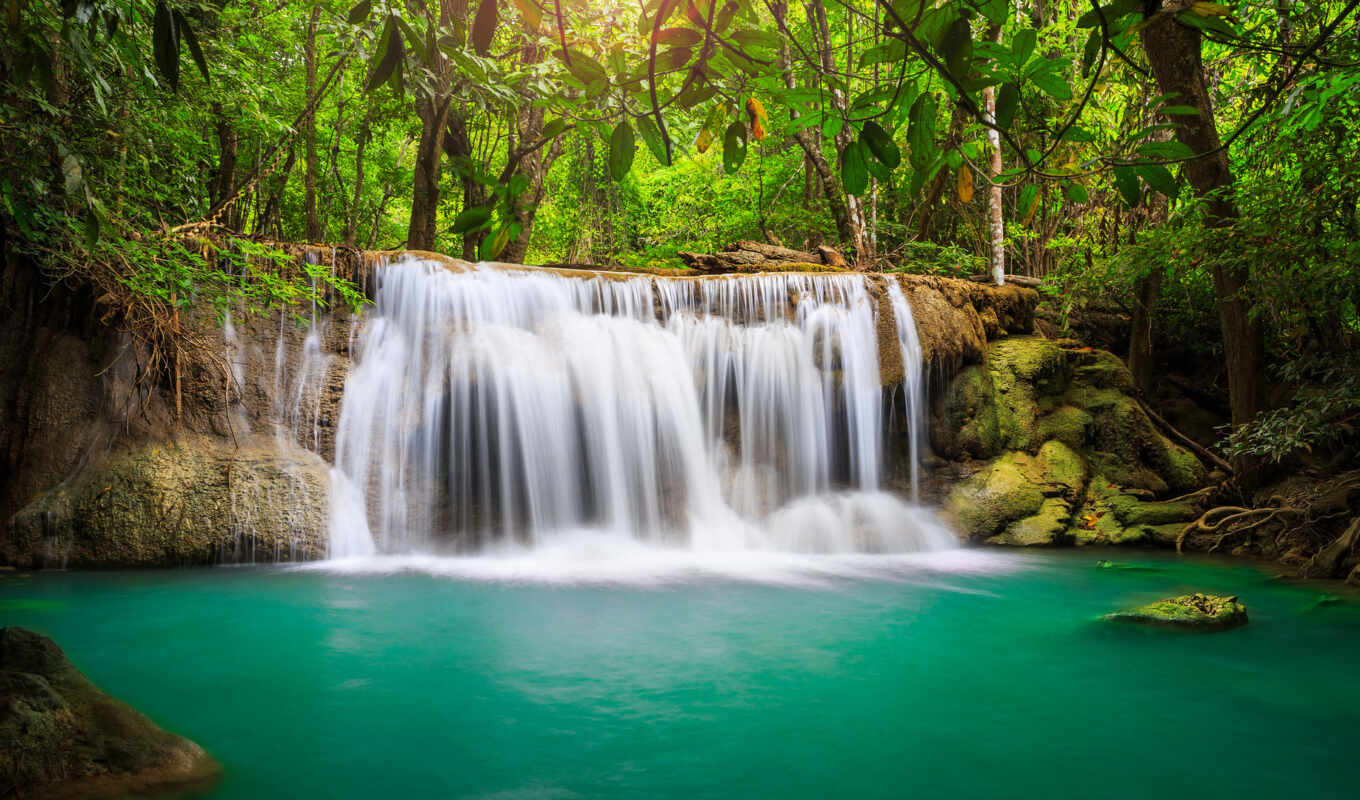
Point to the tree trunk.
(433, 112)
(1146, 291)
(224, 182)
(352, 217)
(811, 144)
(853, 207)
(996, 226)
(313, 233)
(1173, 52)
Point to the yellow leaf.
(702, 142)
(756, 112)
(965, 185)
(1210, 9)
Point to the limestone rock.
(1198, 612)
(194, 501)
(61, 736)
(1044, 528)
(1001, 493)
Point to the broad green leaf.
(484, 26)
(1077, 134)
(621, 150)
(994, 10)
(385, 56)
(1168, 150)
(471, 219)
(359, 12)
(651, 135)
(734, 147)
(921, 131)
(553, 128)
(854, 169)
(1090, 52)
(1126, 180)
(1076, 193)
(586, 68)
(1159, 178)
(957, 47)
(1186, 111)
(186, 33)
(1022, 46)
(679, 37)
(756, 38)
(1007, 101)
(91, 228)
(1029, 200)
(165, 44)
(528, 11)
(880, 143)
(1053, 84)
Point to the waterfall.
(493, 406)
(913, 380)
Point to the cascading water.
(494, 407)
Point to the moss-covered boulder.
(1001, 493)
(1196, 612)
(61, 736)
(1061, 421)
(197, 500)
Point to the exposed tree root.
(1216, 518)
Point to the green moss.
(1132, 511)
(968, 422)
(1192, 612)
(1032, 359)
(1104, 370)
(1059, 464)
(1067, 424)
(1001, 493)
(1044, 528)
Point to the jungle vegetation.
(1190, 164)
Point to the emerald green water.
(967, 679)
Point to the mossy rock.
(198, 500)
(1060, 466)
(1067, 424)
(1133, 511)
(966, 424)
(1196, 612)
(61, 736)
(1001, 493)
(1038, 530)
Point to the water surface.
(975, 675)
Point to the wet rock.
(1048, 527)
(61, 736)
(198, 500)
(1001, 493)
(1198, 612)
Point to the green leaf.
(1090, 52)
(957, 46)
(91, 228)
(921, 131)
(1126, 180)
(484, 26)
(1077, 134)
(1171, 150)
(622, 146)
(881, 144)
(756, 38)
(493, 245)
(1159, 178)
(1007, 101)
(1076, 193)
(385, 56)
(734, 147)
(471, 219)
(994, 10)
(165, 45)
(585, 68)
(855, 169)
(553, 128)
(1187, 111)
(187, 34)
(1028, 197)
(412, 39)
(1053, 84)
(1022, 46)
(679, 37)
(360, 12)
(651, 135)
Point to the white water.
(493, 411)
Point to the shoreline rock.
(1197, 612)
(61, 736)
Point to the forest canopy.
(1191, 163)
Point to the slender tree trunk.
(854, 208)
(352, 217)
(811, 144)
(224, 182)
(432, 107)
(313, 233)
(1146, 291)
(1173, 52)
(996, 225)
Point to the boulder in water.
(1196, 612)
(60, 736)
